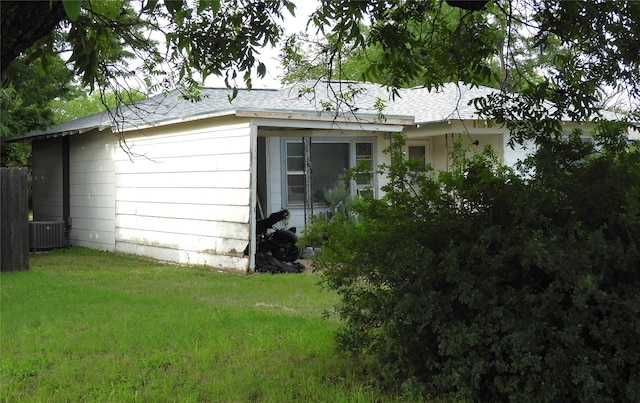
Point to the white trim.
(253, 134)
(293, 119)
(428, 149)
(360, 118)
(328, 125)
(351, 140)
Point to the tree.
(34, 99)
(24, 24)
(490, 284)
(25, 96)
(575, 51)
(486, 283)
(175, 42)
(84, 104)
(408, 43)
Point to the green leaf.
(173, 6)
(151, 5)
(262, 70)
(72, 8)
(213, 5)
(233, 95)
(291, 7)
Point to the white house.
(184, 182)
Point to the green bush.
(341, 207)
(496, 285)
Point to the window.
(584, 137)
(419, 151)
(330, 161)
(364, 158)
(295, 173)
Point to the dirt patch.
(309, 267)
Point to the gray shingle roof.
(343, 98)
(161, 108)
(450, 102)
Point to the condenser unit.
(45, 235)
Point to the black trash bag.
(265, 263)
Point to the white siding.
(518, 153)
(92, 190)
(384, 141)
(183, 194)
(47, 180)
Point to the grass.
(84, 325)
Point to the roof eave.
(301, 117)
(328, 116)
(45, 135)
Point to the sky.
(292, 25)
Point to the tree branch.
(24, 23)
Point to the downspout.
(66, 210)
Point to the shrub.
(492, 284)
(340, 208)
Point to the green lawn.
(83, 325)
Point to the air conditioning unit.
(45, 235)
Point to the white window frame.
(354, 188)
(426, 143)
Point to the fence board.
(14, 219)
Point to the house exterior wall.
(518, 152)
(92, 190)
(184, 193)
(275, 166)
(440, 145)
(443, 145)
(442, 136)
(47, 179)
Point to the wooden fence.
(14, 219)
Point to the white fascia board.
(457, 126)
(295, 119)
(168, 122)
(313, 124)
(330, 116)
(328, 121)
(51, 135)
(88, 129)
